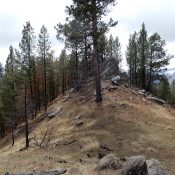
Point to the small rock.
(108, 162)
(104, 151)
(169, 128)
(79, 122)
(52, 114)
(154, 167)
(112, 87)
(142, 92)
(126, 85)
(124, 105)
(113, 106)
(115, 79)
(78, 117)
(71, 90)
(135, 165)
(62, 161)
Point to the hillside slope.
(125, 121)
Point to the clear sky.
(158, 16)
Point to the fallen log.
(160, 101)
(56, 172)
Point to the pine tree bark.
(95, 52)
(45, 82)
(77, 77)
(26, 116)
(13, 137)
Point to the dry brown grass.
(129, 124)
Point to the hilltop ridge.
(126, 122)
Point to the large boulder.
(109, 68)
(108, 162)
(135, 165)
(154, 167)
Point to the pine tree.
(62, 68)
(93, 11)
(164, 90)
(132, 59)
(27, 69)
(43, 51)
(10, 91)
(143, 54)
(173, 92)
(113, 50)
(157, 58)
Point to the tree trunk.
(13, 137)
(63, 82)
(86, 58)
(149, 88)
(135, 66)
(77, 78)
(143, 84)
(26, 117)
(2, 127)
(45, 84)
(95, 52)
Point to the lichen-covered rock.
(154, 167)
(115, 79)
(108, 162)
(109, 68)
(135, 165)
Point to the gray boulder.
(52, 114)
(154, 167)
(135, 165)
(108, 162)
(109, 68)
(115, 79)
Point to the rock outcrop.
(109, 68)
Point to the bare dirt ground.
(125, 121)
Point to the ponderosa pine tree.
(146, 56)
(93, 11)
(43, 51)
(132, 59)
(173, 92)
(143, 54)
(164, 90)
(27, 46)
(157, 58)
(113, 50)
(62, 69)
(10, 91)
(72, 34)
